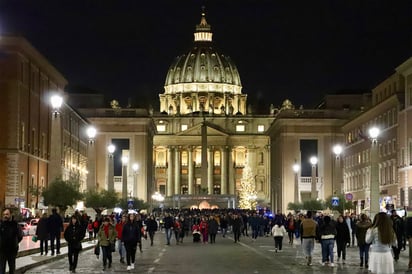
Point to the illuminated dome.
(203, 80)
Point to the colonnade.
(176, 180)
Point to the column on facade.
(169, 171)
(231, 172)
(191, 171)
(210, 168)
(223, 171)
(177, 165)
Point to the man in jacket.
(308, 232)
(168, 225)
(10, 237)
(55, 230)
(399, 228)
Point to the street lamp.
(56, 102)
(313, 194)
(125, 161)
(110, 183)
(296, 168)
(55, 161)
(374, 175)
(337, 150)
(135, 168)
(91, 158)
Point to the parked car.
(33, 226)
(25, 228)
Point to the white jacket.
(278, 230)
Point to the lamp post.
(110, 180)
(313, 193)
(135, 168)
(125, 161)
(296, 168)
(374, 175)
(56, 102)
(91, 158)
(336, 186)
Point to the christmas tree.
(247, 193)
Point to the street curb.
(23, 269)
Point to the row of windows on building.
(360, 179)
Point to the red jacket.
(119, 229)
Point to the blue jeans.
(168, 235)
(327, 250)
(122, 249)
(364, 251)
(308, 244)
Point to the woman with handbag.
(73, 235)
(131, 235)
(107, 236)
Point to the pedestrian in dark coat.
(236, 226)
(73, 235)
(408, 235)
(131, 235)
(42, 233)
(213, 228)
(151, 227)
(10, 237)
(55, 230)
(342, 238)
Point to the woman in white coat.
(278, 231)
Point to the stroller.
(196, 233)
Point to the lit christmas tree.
(247, 193)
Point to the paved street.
(223, 257)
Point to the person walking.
(278, 230)
(204, 227)
(327, 234)
(236, 226)
(168, 226)
(90, 229)
(342, 238)
(382, 237)
(308, 232)
(361, 227)
(55, 230)
(213, 226)
(177, 228)
(408, 235)
(399, 229)
(223, 225)
(10, 237)
(120, 244)
(107, 237)
(151, 227)
(131, 235)
(291, 226)
(42, 233)
(73, 235)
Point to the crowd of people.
(379, 241)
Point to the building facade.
(204, 146)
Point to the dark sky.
(299, 50)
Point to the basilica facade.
(204, 145)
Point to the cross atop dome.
(203, 30)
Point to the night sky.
(299, 50)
